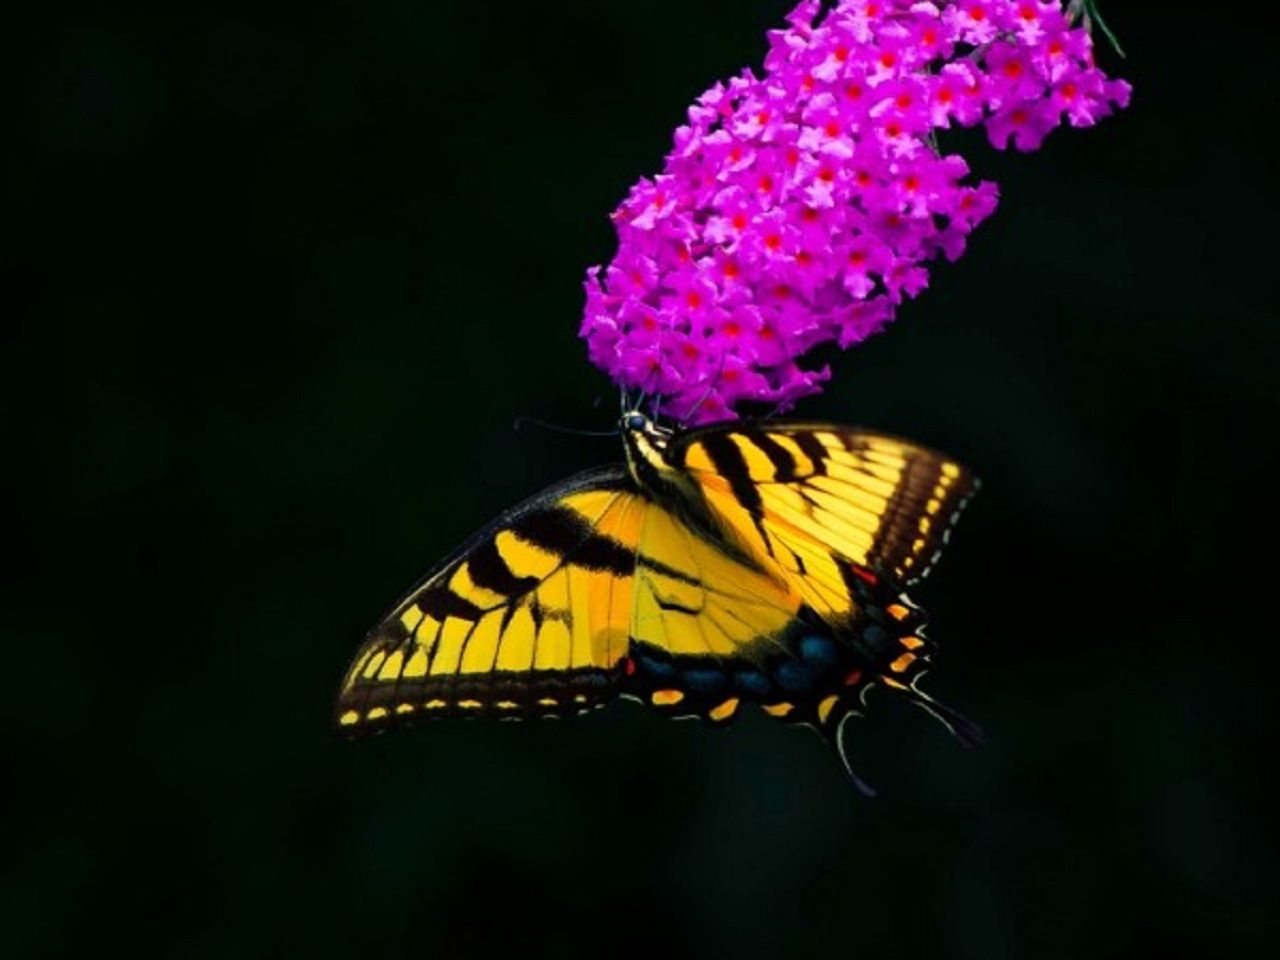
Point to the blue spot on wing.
(704, 681)
(654, 667)
(818, 650)
(752, 682)
(795, 677)
(876, 637)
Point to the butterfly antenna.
(959, 726)
(835, 736)
(521, 422)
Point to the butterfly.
(728, 565)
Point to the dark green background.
(277, 282)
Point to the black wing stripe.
(657, 566)
(784, 463)
(441, 602)
(730, 464)
(562, 531)
(604, 553)
(812, 448)
(490, 571)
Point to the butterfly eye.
(635, 421)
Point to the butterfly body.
(719, 567)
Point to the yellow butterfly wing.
(587, 590)
(714, 628)
(847, 518)
(531, 617)
(828, 507)
(710, 629)
(783, 593)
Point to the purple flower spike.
(801, 207)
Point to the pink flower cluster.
(801, 207)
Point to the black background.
(279, 279)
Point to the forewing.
(826, 505)
(530, 617)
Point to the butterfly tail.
(833, 732)
(958, 725)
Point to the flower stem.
(1089, 8)
(1107, 32)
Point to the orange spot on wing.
(725, 710)
(904, 661)
(826, 706)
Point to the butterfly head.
(635, 420)
(645, 443)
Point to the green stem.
(1088, 10)
(1091, 13)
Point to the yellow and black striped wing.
(710, 629)
(828, 507)
(531, 617)
(714, 629)
(588, 590)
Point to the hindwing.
(712, 632)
